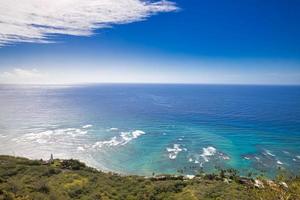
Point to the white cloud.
(36, 20)
(19, 75)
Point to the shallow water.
(140, 129)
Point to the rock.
(283, 184)
(190, 176)
(271, 183)
(159, 178)
(258, 183)
(245, 181)
(226, 180)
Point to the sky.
(136, 41)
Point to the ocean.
(155, 128)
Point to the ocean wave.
(208, 152)
(122, 139)
(257, 158)
(267, 160)
(173, 152)
(267, 152)
(80, 148)
(279, 162)
(286, 152)
(112, 142)
(137, 133)
(112, 129)
(51, 136)
(225, 157)
(87, 126)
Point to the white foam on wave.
(112, 129)
(137, 133)
(87, 126)
(173, 152)
(267, 152)
(80, 148)
(279, 162)
(286, 152)
(122, 139)
(208, 152)
(224, 157)
(51, 136)
(112, 142)
(298, 157)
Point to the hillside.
(21, 179)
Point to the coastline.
(71, 179)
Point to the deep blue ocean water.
(140, 129)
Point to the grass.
(25, 179)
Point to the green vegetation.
(25, 179)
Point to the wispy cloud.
(36, 20)
(19, 75)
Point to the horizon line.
(143, 83)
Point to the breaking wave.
(267, 152)
(122, 139)
(208, 152)
(173, 152)
(87, 126)
(52, 136)
(112, 129)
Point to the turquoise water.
(140, 129)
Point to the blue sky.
(195, 41)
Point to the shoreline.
(179, 172)
(72, 179)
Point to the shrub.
(5, 195)
(72, 164)
(51, 171)
(42, 187)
